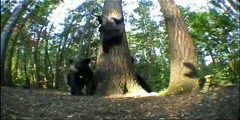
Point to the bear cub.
(112, 34)
(78, 75)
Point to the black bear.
(141, 81)
(78, 75)
(112, 34)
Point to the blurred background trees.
(37, 50)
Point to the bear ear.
(101, 19)
(70, 61)
(118, 21)
(87, 60)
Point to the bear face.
(112, 34)
(78, 75)
(79, 65)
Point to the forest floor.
(19, 103)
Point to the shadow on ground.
(19, 103)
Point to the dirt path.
(18, 103)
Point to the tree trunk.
(51, 73)
(46, 59)
(8, 71)
(35, 66)
(6, 31)
(36, 61)
(5, 16)
(59, 60)
(150, 63)
(114, 70)
(25, 63)
(184, 77)
(16, 64)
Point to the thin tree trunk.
(8, 71)
(27, 80)
(57, 64)
(46, 60)
(114, 71)
(16, 64)
(32, 73)
(51, 70)
(184, 77)
(46, 66)
(36, 61)
(61, 58)
(5, 17)
(35, 67)
(56, 71)
(26, 62)
(150, 64)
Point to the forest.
(104, 61)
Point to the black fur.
(80, 74)
(112, 34)
(141, 81)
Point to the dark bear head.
(108, 22)
(81, 68)
(112, 34)
(79, 65)
(109, 27)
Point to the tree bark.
(16, 64)
(46, 57)
(114, 71)
(25, 63)
(8, 70)
(59, 60)
(6, 15)
(184, 77)
(47, 64)
(56, 70)
(36, 66)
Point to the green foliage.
(215, 36)
(148, 46)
